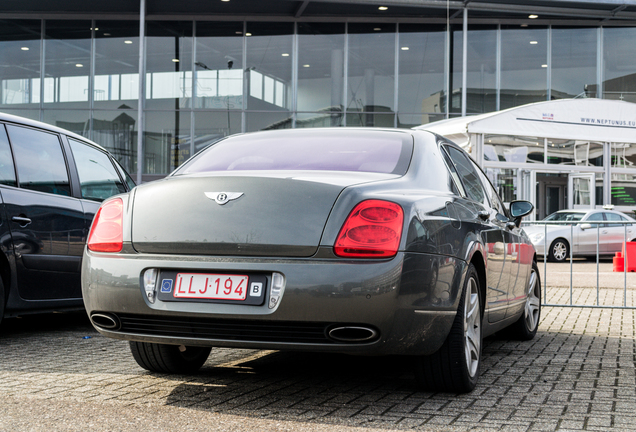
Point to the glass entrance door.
(582, 191)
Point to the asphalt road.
(57, 373)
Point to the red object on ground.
(631, 255)
(618, 262)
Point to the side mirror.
(585, 226)
(519, 209)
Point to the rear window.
(364, 151)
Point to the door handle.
(604, 231)
(20, 220)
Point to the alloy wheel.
(472, 327)
(559, 250)
(533, 302)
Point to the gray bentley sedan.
(357, 241)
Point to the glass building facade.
(205, 78)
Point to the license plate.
(210, 286)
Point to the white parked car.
(607, 228)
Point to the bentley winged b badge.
(223, 197)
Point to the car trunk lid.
(276, 215)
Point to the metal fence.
(592, 240)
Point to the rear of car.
(245, 246)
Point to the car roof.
(10, 118)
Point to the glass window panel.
(73, 120)
(321, 84)
(575, 152)
(505, 182)
(256, 85)
(267, 120)
(268, 90)
(67, 63)
(481, 74)
(167, 141)
(116, 64)
(210, 126)
(98, 177)
(619, 63)
(266, 45)
(168, 64)
(371, 69)
(369, 119)
(7, 170)
(116, 131)
(623, 155)
(623, 192)
(219, 65)
(319, 119)
(573, 62)
(39, 159)
(421, 65)
(517, 149)
(20, 60)
(30, 114)
(408, 121)
(524, 66)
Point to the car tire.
(170, 359)
(559, 251)
(455, 367)
(2, 301)
(525, 328)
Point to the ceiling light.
(533, 16)
(239, 32)
(106, 34)
(305, 65)
(248, 34)
(225, 0)
(405, 48)
(524, 25)
(377, 29)
(79, 65)
(533, 42)
(383, 8)
(127, 42)
(285, 55)
(175, 60)
(544, 65)
(24, 48)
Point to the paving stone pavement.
(577, 374)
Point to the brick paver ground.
(577, 374)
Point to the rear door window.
(469, 176)
(7, 170)
(40, 161)
(98, 176)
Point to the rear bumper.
(410, 301)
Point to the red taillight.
(372, 230)
(107, 234)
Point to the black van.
(51, 184)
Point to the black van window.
(40, 161)
(7, 170)
(98, 177)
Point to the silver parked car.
(358, 241)
(608, 228)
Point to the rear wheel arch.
(477, 260)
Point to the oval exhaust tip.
(353, 334)
(105, 321)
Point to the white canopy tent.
(585, 140)
(590, 119)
